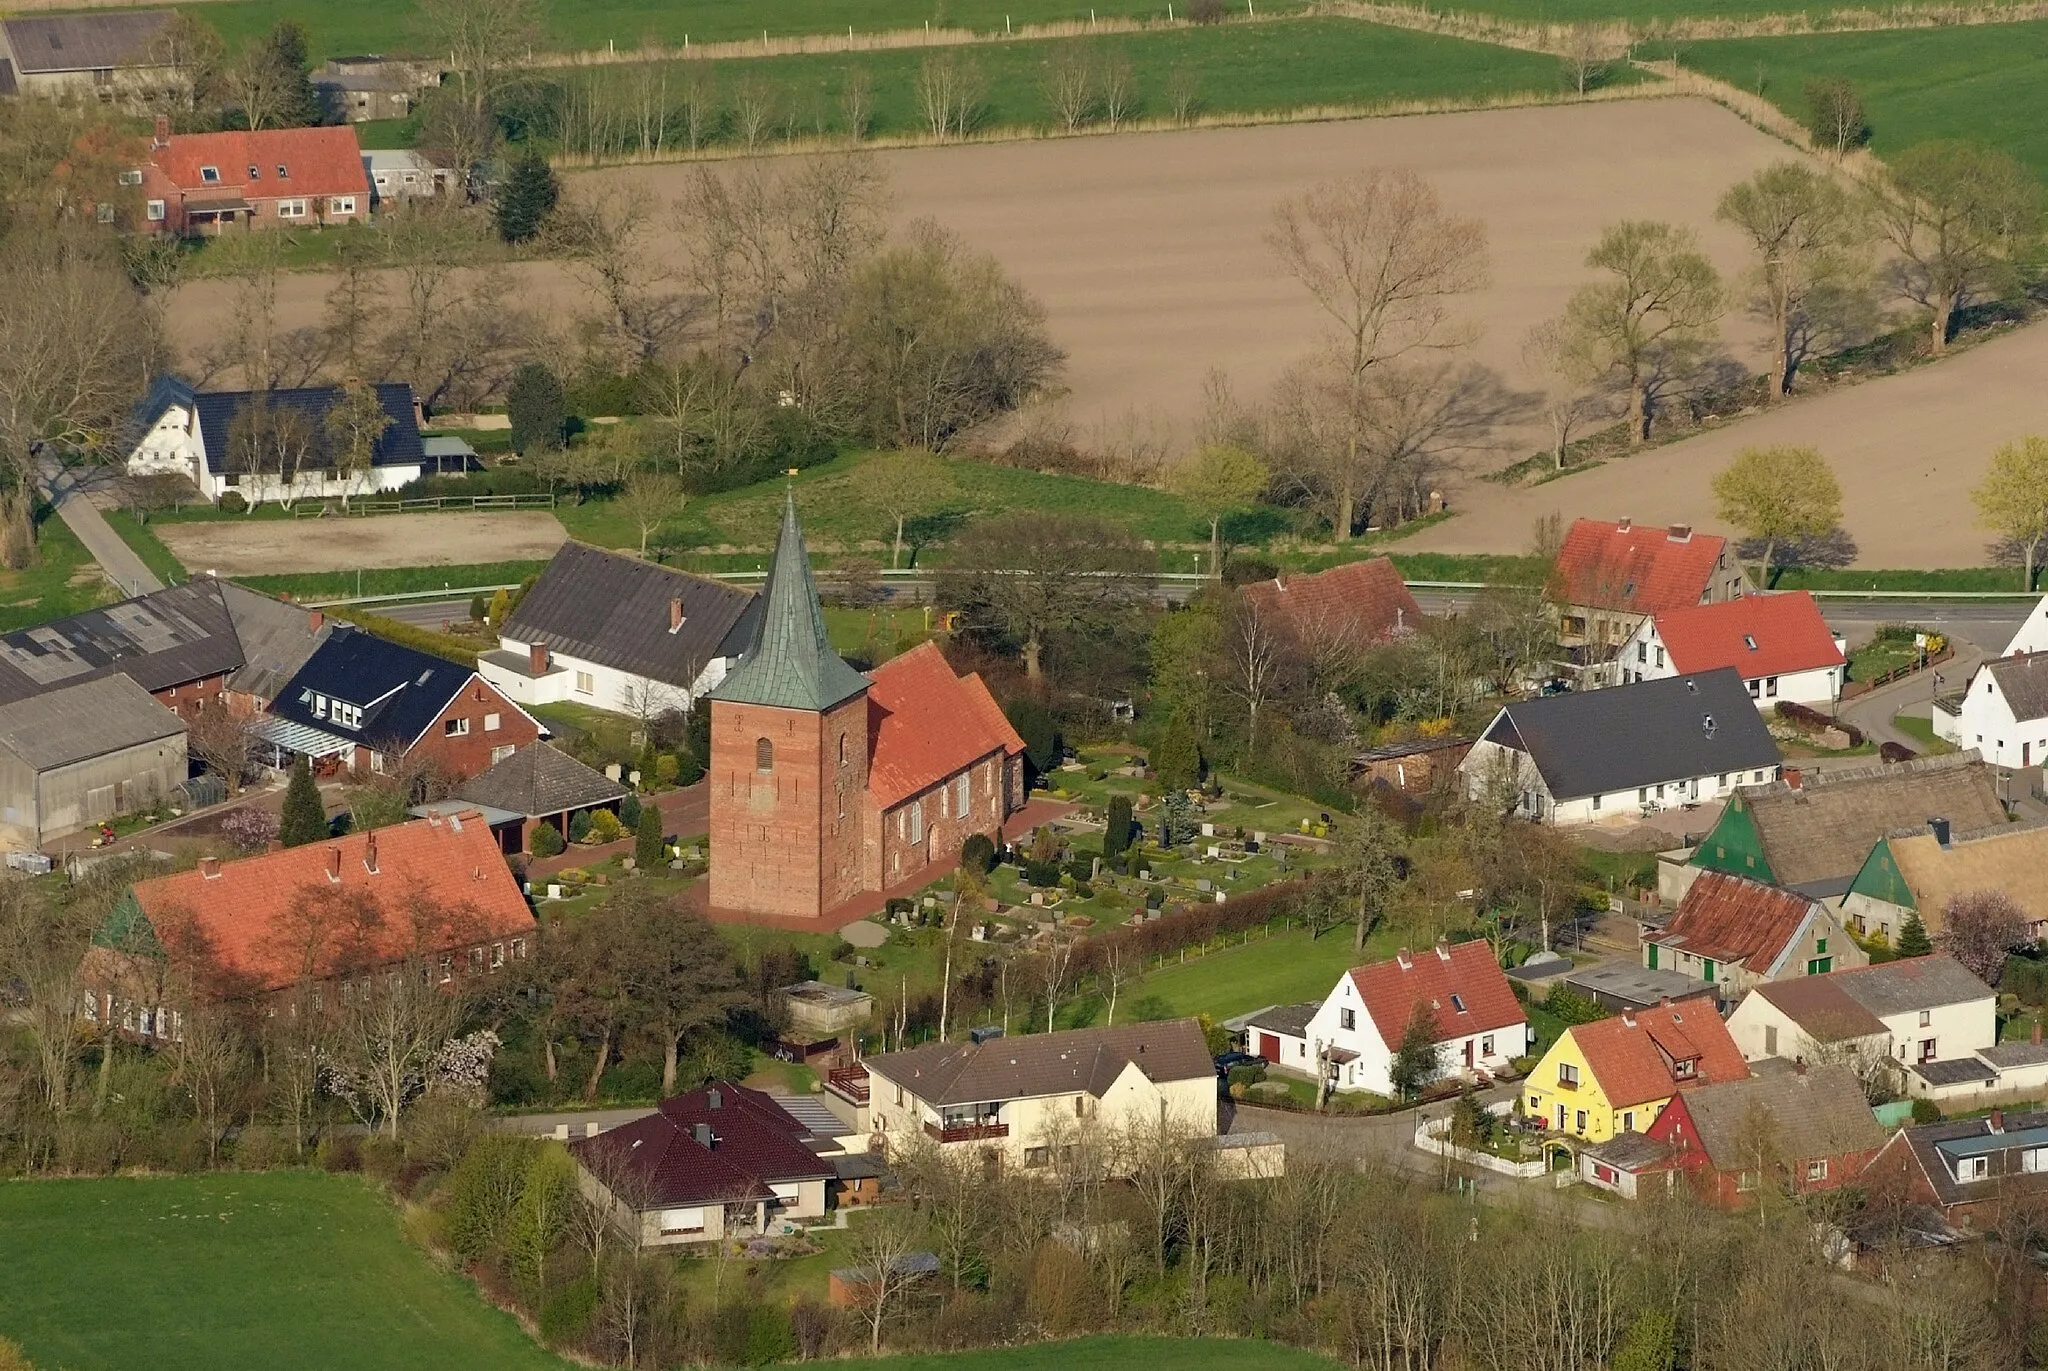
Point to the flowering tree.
(1981, 927)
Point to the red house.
(1363, 604)
(269, 178)
(1795, 1129)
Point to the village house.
(358, 89)
(1921, 871)
(1915, 1025)
(114, 56)
(192, 433)
(1610, 576)
(618, 633)
(1779, 643)
(1738, 933)
(1351, 1038)
(719, 1162)
(1616, 1075)
(1590, 755)
(1018, 1100)
(434, 892)
(364, 704)
(1813, 832)
(81, 754)
(265, 179)
(1965, 1168)
(826, 783)
(2002, 713)
(1789, 1130)
(1357, 605)
(538, 784)
(399, 175)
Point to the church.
(827, 784)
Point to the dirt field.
(256, 547)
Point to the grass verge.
(1921, 731)
(316, 585)
(160, 560)
(64, 580)
(1112, 1354)
(282, 1268)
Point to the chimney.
(1406, 962)
(1663, 1002)
(334, 864)
(1997, 1121)
(209, 868)
(704, 1137)
(537, 657)
(163, 131)
(713, 1100)
(675, 614)
(1799, 1065)
(1680, 533)
(370, 853)
(2037, 1031)
(1624, 524)
(274, 845)
(1792, 778)
(1939, 828)
(315, 620)
(1443, 952)
(1628, 1018)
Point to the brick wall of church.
(931, 825)
(786, 838)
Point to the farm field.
(1981, 82)
(253, 547)
(193, 1273)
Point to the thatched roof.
(1823, 830)
(2006, 858)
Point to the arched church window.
(764, 755)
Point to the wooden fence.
(354, 508)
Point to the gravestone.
(612, 771)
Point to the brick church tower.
(789, 756)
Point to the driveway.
(1873, 713)
(74, 493)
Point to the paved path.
(70, 496)
(1873, 713)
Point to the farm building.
(113, 55)
(83, 754)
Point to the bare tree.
(857, 104)
(1183, 91)
(950, 92)
(1119, 84)
(638, 314)
(1385, 262)
(222, 742)
(353, 426)
(649, 498)
(1566, 377)
(1068, 84)
(271, 444)
(1980, 928)
(880, 1250)
(391, 1024)
(1255, 657)
(1811, 242)
(487, 43)
(1653, 315)
(1586, 55)
(1038, 576)
(1959, 215)
(754, 107)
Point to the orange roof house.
(268, 178)
(1735, 932)
(1616, 1075)
(1644, 569)
(1365, 603)
(1780, 644)
(435, 889)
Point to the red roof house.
(1780, 644)
(1644, 569)
(269, 178)
(1365, 602)
(1735, 932)
(1643, 1056)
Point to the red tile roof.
(1758, 635)
(1364, 601)
(1633, 1057)
(925, 723)
(1734, 919)
(439, 885)
(320, 161)
(1642, 569)
(755, 1143)
(1443, 978)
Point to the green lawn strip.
(1921, 731)
(1112, 1353)
(193, 1273)
(1237, 69)
(1980, 81)
(315, 585)
(63, 581)
(1647, 14)
(161, 561)
(1287, 968)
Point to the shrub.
(1117, 835)
(231, 502)
(1042, 874)
(1205, 11)
(409, 635)
(668, 768)
(525, 198)
(337, 1152)
(1895, 753)
(648, 851)
(547, 841)
(2026, 978)
(381, 1156)
(978, 853)
(1082, 868)
(566, 1317)
(250, 829)
(1812, 720)
(482, 1191)
(538, 409)
(579, 826)
(1246, 570)
(1248, 1073)
(305, 814)
(1926, 1111)
(477, 609)
(606, 828)
(1573, 1008)
(629, 811)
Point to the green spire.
(791, 664)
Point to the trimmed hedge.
(408, 635)
(1809, 718)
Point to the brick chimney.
(334, 864)
(675, 614)
(209, 868)
(315, 620)
(1679, 533)
(1799, 1065)
(1997, 1121)
(370, 853)
(163, 131)
(1624, 524)
(1406, 962)
(2037, 1031)
(537, 657)
(1792, 777)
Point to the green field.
(63, 580)
(393, 26)
(1286, 968)
(196, 1273)
(1237, 70)
(1647, 15)
(1981, 82)
(1112, 1354)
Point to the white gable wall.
(609, 688)
(1488, 763)
(1987, 724)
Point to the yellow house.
(1616, 1075)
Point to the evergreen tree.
(648, 853)
(1177, 757)
(1913, 939)
(1117, 837)
(305, 817)
(526, 198)
(547, 841)
(538, 408)
(298, 102)
(1417, 1060)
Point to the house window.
(1035, 1157)
(130, 178)
(585, 684)
(1568, 1076)
(447, 967)
(455, 728)
(255, 173)
(1770, 1040)
(917, 820)
(1660, 656)
(1596, 802)
(1926, 1017)
(497, 955)
(1820, 966)
(764, 755)
(1973, 1168)
(518, 949)
(499, 754)
(1746, 1182)
(1628, 1122)
(2034, 1159)
(1642, 652)
(341, 204)
(1707, 970)
(1579, 1121)
(1458, 1003)
(1754, 691)
(377, 763)
(1817, 1171)
(210, 175)
(1770, 687)
(1347, 1018)
(492, 723)
(154, 211)
(291, 209)
(1820, 947)
(1486, 1046)
(842, 749)
(284, 173)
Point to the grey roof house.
(81, 754)
(620, 634)
(537, 784)
(51, 54)
(1623, 752)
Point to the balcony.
(849, 1083)
(966, 1132)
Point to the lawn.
(1647, 13)
(1287, 968)
(1112, 1354)
(1981, 82)
(1868, 661)
(1921, 731)
(1236, 70)
(146, 545)
(63, 581)
(339, 585)
(274, 1269)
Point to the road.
(73, 494)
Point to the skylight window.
(1458, 1003)
(209, 174)
(255, 172)
(1749, 642)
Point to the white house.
(398, 174)
(191, 433)
(1354, 1034)
(1922, 1021)
(1585, 756)
(2003, 712)
(616, 633)
(1779, 644)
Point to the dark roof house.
(1958, 1165)
(55, 45)
(395, 691)
(1811, 1128)
(73, 723)
(162, 639)
(397, 446)
(540, 781)
(1070, 1062)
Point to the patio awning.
(299, 738)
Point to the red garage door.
(1269, 1048)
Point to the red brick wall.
(188, 699)
(787, 841)
(467, 753)
(945, 830)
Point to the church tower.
(789, 756)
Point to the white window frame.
(291, 209)
(210, 175)
(493, 722)
(155, 211)
(341, 204)
(455, 728)
(586, 684)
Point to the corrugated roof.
(613, 610)
(90, 719)
(539, 780)
(790, 663)
(925, 723)
(1462, 986)
(1365, 603)
(1598, 742)
(1641, 569)
(83, 42)
(1033, 1065)
(1821, 1112)
(165, 638)
(1823, 830)
(1758, 635)
(1734, 919)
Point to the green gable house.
(1923, 868)
(1812, 833)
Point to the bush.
(381, 1156)
(478, 608)
(668, 768)
(397, 631)
(1082, 868)
(978, 853)
(579, 826)
(337, 1152)
(629, 811)
(1812, 720)
(606, 828)
(547, 841)
(566, 1317)
(482, 1192)
(1248, 570)
(231, 502)
(1926, 1111)
(2026, 978)
(1042, 874)
(1247, 1073)
(250, 829)
(1116, 837)
(1895, 753)
(1573, 1008)
(538, 409)
(648, 852)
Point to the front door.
(1468, 1054)
(1650, 954)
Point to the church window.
(917, 821)
(965, 795)
(764, 755)
(842, 749)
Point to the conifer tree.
(647, 847)
(526, 199)
(305, 817)
(1913, 939)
